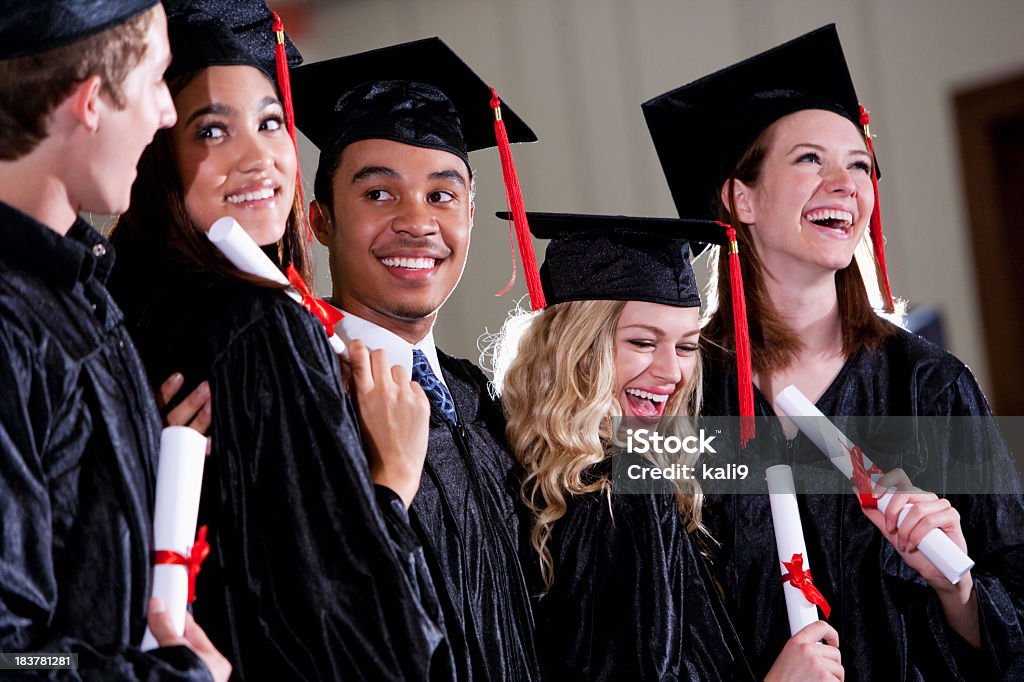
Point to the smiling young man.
(394, 205)
(81, 95)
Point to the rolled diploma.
(789, 540)
(179, 478)
(936, 546)
(239, 248)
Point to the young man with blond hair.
(81, 95)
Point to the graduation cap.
(28, 28)
(418, 93)
(701, 130)
(620, 258)
(206, 33)
(625, 258)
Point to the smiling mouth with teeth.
(831, 218)
(258, 195)
(646, 405)
(410, 263)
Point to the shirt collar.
(398, 350)
(62, 260)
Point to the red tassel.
(744, 364)
(285, 82)
(877, 238)
(514, 196)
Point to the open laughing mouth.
(836, 220)
(647, 406)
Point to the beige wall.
(577, 71)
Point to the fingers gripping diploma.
(811, 654)
(926, 512)
(194, 411)
(394, 414)
(160, 624)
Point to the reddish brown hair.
(773, 344)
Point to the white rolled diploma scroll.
(179, 479)
(936, 546)
(239, 248)
(789, 540)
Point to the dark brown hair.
(157, 224)
(31, 87)
(773, 344)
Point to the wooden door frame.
(978, 111)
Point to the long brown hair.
(773, 344)
(158, 225)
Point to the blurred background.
(943, 79)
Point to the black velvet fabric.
(620, 258)
(78, 443)
(411, 113)
(34, 27)
(442, 102)
(890, 622)
(632, 597)
(313, 574)
(206, 33)
(474, 530)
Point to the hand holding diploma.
(162, 628)
(194, 411)
(805, 656)
(802, 597)
(394, 414)
(919, 521)
(239, 248)
(178, 484)
(811, 655)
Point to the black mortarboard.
(35, 26)
(701, 129)
(620, 258)
(419, 93)
(207, 33)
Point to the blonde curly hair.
(555, 373)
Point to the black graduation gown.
(474, 531)
(78, 444)
(308, 577)
(890, 622)
(632, 597)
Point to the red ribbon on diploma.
(861, 478)
(801, 580)
(192, 562)
(327, 314)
